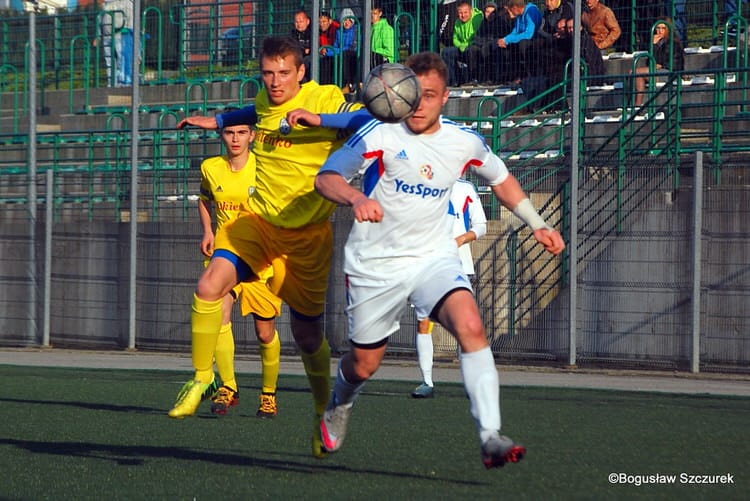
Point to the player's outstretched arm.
(347, 120)
(512, 196)
(242, 116)
(198, 121)
(333, 186)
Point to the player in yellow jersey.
(286, 226)
(226, 183)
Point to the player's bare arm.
(512, 196)
(198, 121)
(465, 238)
(334, 187)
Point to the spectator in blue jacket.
(347, 44)
(518, 43)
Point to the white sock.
(344, 391)
(424, 355)
(483, 388)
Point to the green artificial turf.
(104, 434)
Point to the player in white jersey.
(399, 249)
(467, 224)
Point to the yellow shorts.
(255, 297)
(300, 257)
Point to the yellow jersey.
(288, 158)
(227, 190)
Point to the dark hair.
(424, 62)
(281, 47)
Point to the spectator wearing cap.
(346, 44)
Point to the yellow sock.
(206, 323)
(318, 369)
(225, 356)
(270, 359)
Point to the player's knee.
(265, 335)
(209, 289)
(471, 328)
(364, 370)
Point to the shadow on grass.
(86, 405)
(138, 455)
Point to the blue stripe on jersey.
(363, 131)
(466, 215)
(464, 212)
(464, 128)
(371, 177)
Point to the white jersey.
(466, 214)
(411, 176)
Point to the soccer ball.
(391, 92)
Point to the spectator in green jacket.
(382, 43)
(460, 54)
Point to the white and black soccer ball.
(391, 92)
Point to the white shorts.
(376, 306)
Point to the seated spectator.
(601, 23)
(559, 53)
(457, 55)
(545, 43)
(517, 45)
(664, 42)
(555, 10)
(346, 44)
(326, 38)
(497, 23)
(590, 53)
(382, 44)
(302, 32)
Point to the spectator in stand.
(517, 45)
(382, 43)
(326, 38)
(302, 32)
(561, 51)
(116, 30)
(346, 44)
(668, 54)
(497, 23)
(601, 23)
(590, 53)
(554, 11)
(547, 36)
(458, 54)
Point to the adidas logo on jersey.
(219, 189)
(401, 155)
